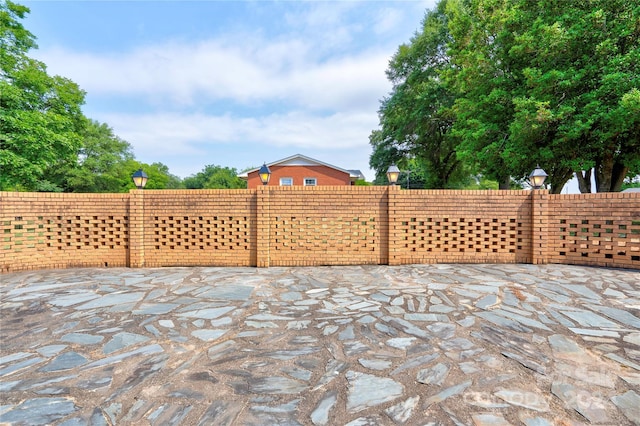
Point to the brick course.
(324, 225)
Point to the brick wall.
(595, 229)
(331, 225)
(199, 227)
(41, 230)
(441, 226)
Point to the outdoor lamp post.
(537, 177)
(393, 173)
(139, 178)
(264, 174)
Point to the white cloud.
(182, 133)
(212, 71)
(387, 19)
(328, 57)
(323, 74)
(329, 22)
(187, 142)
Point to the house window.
(286, 181)
(310, 181)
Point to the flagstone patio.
(363, 345)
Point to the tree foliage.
(165, 180)
(417, 117)
(159, 176)
(384, 154)
(582, 73)
(215, 177)
(104, 163)
(46, 143)
(516, 83)
(484, 84)
(99, 164)
(40, 115)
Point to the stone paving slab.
(358, 345)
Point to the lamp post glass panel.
(393, 173)
(537, 178)
(140, 178)
(264, 174)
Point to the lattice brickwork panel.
(323, 234)
(593, 230)
(460, 226)
(202, 233)
(77, 232)
(463, 235)
(207, 227)
(327, 226)
(63, 230)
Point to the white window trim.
(289, 179)
(315, 180)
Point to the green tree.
(384, 154)
(105, 163)
(485, 80)
(414, 174)
(416, 118)
(40, 115)
(480, 182)
(158, 176)
(582, 86)
(98, 166)
(548, 82)
(215, 177)
(169, 181)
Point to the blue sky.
(230, 83)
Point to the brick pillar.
(136, 228)
(392, 234)
(539, 226)
(263, 238)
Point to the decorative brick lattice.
(305, 226)
(319, 234)
(22, 232)
(202, 233)
(599, 240)
(66, 232)
(462, 235)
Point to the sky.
(229, 83)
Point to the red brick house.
(299, 170)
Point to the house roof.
(303, 160)
(357, 173)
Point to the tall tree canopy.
(582, 78)
(417, 117)
(520, 83)
(40, 115)
(46, 143)
(484, 80)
